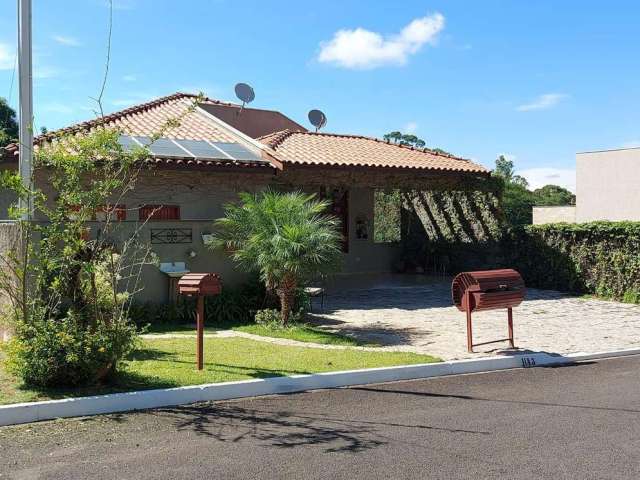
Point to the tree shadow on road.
(277, 429)
(281, 429)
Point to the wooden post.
(200, 327)
(510, 321)
(467, 307)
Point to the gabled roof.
(198, 121)
(148, 118)
(330, 149)
(176, 116)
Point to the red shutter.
(159, 212)
(119, 212)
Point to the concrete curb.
(144, 399)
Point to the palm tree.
(287, 237)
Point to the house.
(607, 188)
(184, 192)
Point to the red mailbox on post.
(199, 285)
(488, 290)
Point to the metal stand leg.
(469, 333)
(200, 327)
(510, 321)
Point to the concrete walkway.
(260, 338)
(421, 318)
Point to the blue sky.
(538, 81)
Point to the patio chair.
(315, 291)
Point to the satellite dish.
(245, 93)
(317, 119)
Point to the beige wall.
(608, 185)
(201, 196)
(554, 214)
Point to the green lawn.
(165, 363)
(301, 332)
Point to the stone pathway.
(260, 338)
(422, 319)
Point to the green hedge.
(602, 258)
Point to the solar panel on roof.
(200, 149)
(165, 147)
(237, 151)
(131, 143)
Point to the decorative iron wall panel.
(171, 235)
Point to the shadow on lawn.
(122, 381)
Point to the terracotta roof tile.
(148, 118)
(309, 148)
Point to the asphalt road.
(580, 421)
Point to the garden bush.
(602, 258)
(287, 238)
(52, 352)
(63, 282)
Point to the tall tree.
(554, 195)
(517, 201)
(394, 136)
(505, 169)
(8, 124)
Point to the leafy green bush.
(67, 301)
(286, 237)
(61, 352)
(598, 257)
(270, 317)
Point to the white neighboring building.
(607, 188)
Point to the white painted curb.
(122, 402)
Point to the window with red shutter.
(118, 212)
(159, 212)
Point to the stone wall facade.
(543, 215)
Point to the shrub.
(271, 318)
(61, 352)
(268, 317)
(71, 321)
(286, 237)
(598, 257)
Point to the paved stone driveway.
(421, 318)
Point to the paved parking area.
(417, 315)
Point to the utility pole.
(26, 103)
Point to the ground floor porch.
(415, 313)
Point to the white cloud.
(543, 102)
(66, 41)
(129, 78)
(410, 127)
(7, 57)
(539, 177)
(362, 49)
